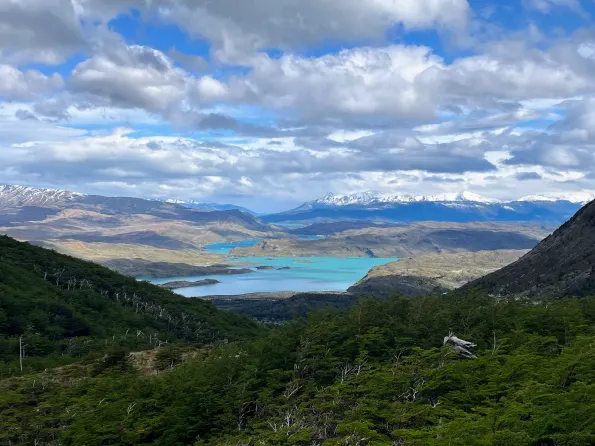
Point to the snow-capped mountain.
(17, 196)
(371, 198)
(464, 206)
(576, 197)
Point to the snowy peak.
(576, 197)
(346, 200)
(464, 197)
(372, 198)
(32, 196)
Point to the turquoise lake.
(305, 274)
(225, 248)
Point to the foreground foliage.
(60, 309)
(376, 375)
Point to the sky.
(270, 103)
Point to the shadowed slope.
(561, 265)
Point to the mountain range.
(371, 198)
(456, 207)
(104, 229)
(33, 196)
(133, 231)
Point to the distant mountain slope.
(64, 307)
(563, 264)
(193, 204)
(33, 196)
(35, 199)
(405, 241)
(98, 228)
(462, 207)
(19, 196)
(336, 227)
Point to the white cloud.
(211, 89)
(372, 116)
(361, 81)
(131, 76)
(413, 83)
(45, 31)
(16, 84)
(239, 28)
(546, 6)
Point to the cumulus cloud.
(126, 158)
(375, 115)
(140, 77)
(239, 28)
(566, 145)
(16, 84)
(45, 31)
(363, 81)
(131, 76)
(410, 82)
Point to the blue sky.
(276, 102)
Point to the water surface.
(225, 248)
(305, 274)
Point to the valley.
(240, 253)
(261, 324)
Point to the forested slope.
(377, 375)
(64, 309)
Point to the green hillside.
(377, 375)
(63, 309)
(97, 370)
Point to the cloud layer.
(229, 100)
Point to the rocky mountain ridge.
(561, 265)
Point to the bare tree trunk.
(21, 352)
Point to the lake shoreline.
(278, 276)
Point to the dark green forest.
(376, 374)
(65, 309)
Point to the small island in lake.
(185, 284)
